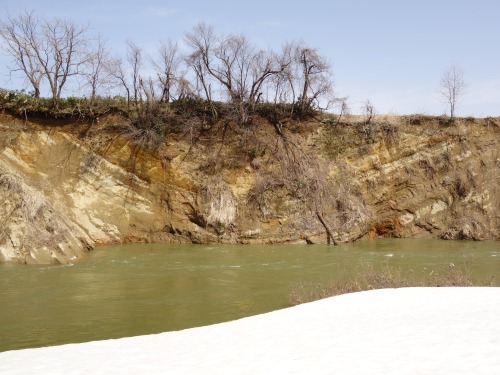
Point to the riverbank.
(71, 185)
(390, 331)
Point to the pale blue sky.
(392, 52)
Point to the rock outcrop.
(68, 188)
(33, 231)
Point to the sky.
(390, 52)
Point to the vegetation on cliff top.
(216, 75)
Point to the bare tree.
(220, 57)
(316, 80)
(147, 87)
(368, 111)
(62, 53)
(98, 68)
(167, 68)
(367, 125)
(185, 89)
(201, 40)
(118, 71)
(264, 66)
(134, 59)
(202, 82)
(224, 67)
(282, 84)
(20, 35)
(233, 64)
(126, 72)
(54, 50)
(305, 79)
(343, 107)
(243, 71)
(452, 87)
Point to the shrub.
(368, 278)
(148, 125)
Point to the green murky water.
(131, 290)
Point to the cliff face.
(69, 187)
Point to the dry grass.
(368, 278)
(341, 138)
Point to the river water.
(129, 290)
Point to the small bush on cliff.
(148, 125)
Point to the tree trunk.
(328, 231)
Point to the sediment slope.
(70, 185)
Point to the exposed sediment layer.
(68, 190)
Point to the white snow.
(389, 331)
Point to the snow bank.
(389, 331)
